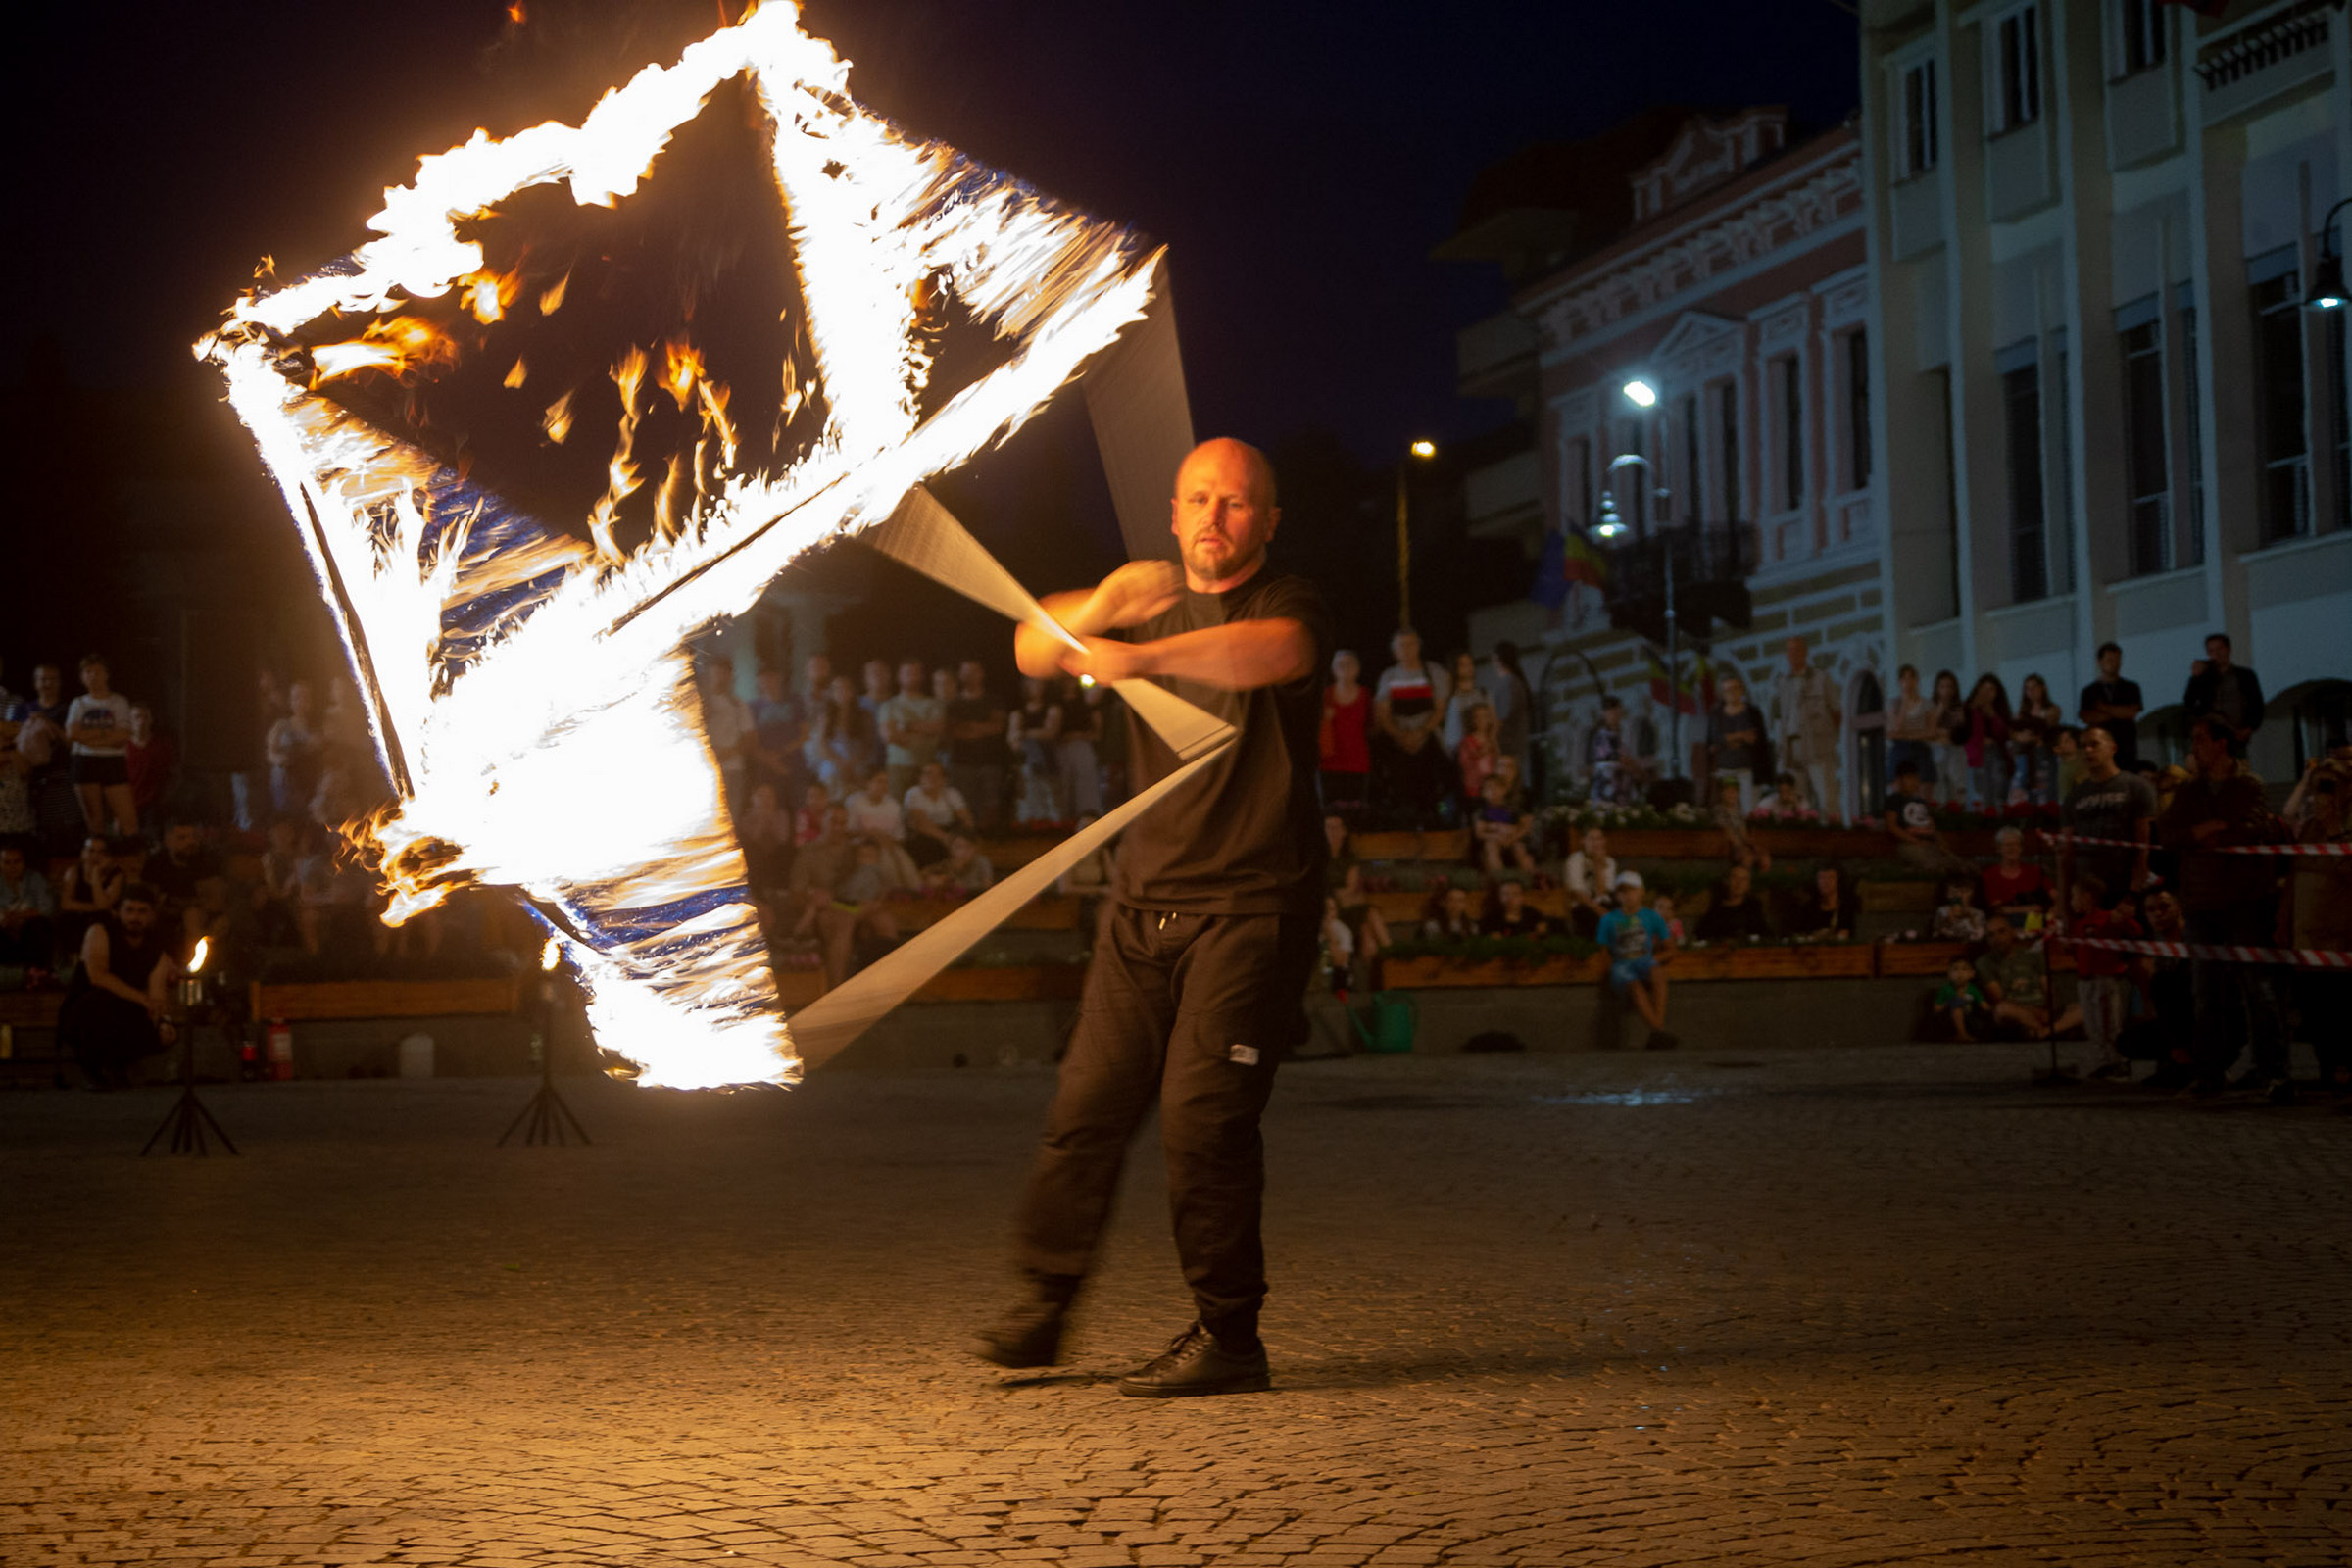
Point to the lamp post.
(1422, 451)
(1612, 527)
(2326, 291)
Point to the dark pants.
(105, 1033)
(34, 945)
(1416, 784)
(2237, 1005)
(1192, 1010)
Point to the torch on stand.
(545, 1113)
(189, 1119)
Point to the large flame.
(556, 748)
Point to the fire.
(204, 951)
(561, 751)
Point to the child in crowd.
(808, 822)
(1501, 830)
(2032, 766)
(1784, 802)
(1638, 941)
(1509, 914)
(1957, 917)
(1449, 918)
(1731, 823)
(1664, 905)
(2102, 975)
(1338, 948)
(1960, 1002)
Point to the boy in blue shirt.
(1638, 943)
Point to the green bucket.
(1386, 1025)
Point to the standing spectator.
(98, 725)
(2317, 912)
(878, 690)
(1407, 754)
(2226, 691)
(843, 748)
(1514, 702)
(2034, 701)
(27, 913)
(2109, 803)
(1638, 941)
(293, 747)
(1809, 718)
(1911, 820)
(1344, 744)
(944, 691)
(2102, 983)
(727, 721)
(1462, 679)
(1110, 737)
(1825, 911)
(911, 723)
(780, 724)
(2033, 763)
(2016, 977)
(2014, 887)
(1590, 878)
(876, 813)
(1733, 911)
(1913, 727)
(49, 704)
(1500, 831)
(935, 813)
(976, 752)
(1732, 822)
(249, 786)
(2114, 704)
(153, 762)
(1986, 743)
(1737, 750)
(1609, 757)
(1480, 749)
(1511, 916)
(117, 1010)
(2067, 747)
(1950, 781)
(1031, 730)
(817, 679)
(1076, 764)
(2231, 900)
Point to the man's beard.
(1234, 562)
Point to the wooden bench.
(24, 1060)
(385, 999)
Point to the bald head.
(1223, 512)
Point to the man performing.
(1194, 989)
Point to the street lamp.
(1423, 452)
(1641, 392)
(1612, 527)
(2326, 292)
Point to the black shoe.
(1029, 1334)
(2279, 1092)
(1196, 1363)
(1660, 1040)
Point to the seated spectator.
(1515, 782)
(1825, 911)
(1732, 822)
(117, 1010)
(277, 896)
(1785, 801)
(188, 878)
(1911, 820)
(2015, 979)
(1500, 833)
(837, 895)
(1961, 1003)
(27, 913)
(1364, 919)
(1663, 902)
(1509, 914)
(1480, 749)
(92, 886)
(2015, 888)
(336, 889)
(765, 834)
(963, 869)
(874, 812)
(1590, 877)
(808, 822)
(153, 762)
(98, 728)
(1448, 917)
(15, 791)
(1638, 942)
(1958, 919)
(1735, 914)
(1338, 949)
(935, 811)
(2102, 975)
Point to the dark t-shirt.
(1911, 810)
(1244, 836)
(2109, 809)
(178, 883)
(1737, 740)
(982, 751)
(2123, 694)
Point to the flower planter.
(1896, 959)
(1898, 897)
(1433, 970)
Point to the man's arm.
(1128, 597)
(1241, 655)
(96, 956)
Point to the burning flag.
(514, 602)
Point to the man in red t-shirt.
(1343, 745)
(2013, 886)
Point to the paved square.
(1864, 1306)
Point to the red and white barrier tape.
(2300, 957)
(2330, 849)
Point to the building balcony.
(1710, 563)
(1497, 358)
(2240, 70)
(1504, 499)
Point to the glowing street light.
(1424, 449)
(1640, 393)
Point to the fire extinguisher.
(249, 1055)
(282, 1050)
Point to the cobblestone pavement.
(1870, 1306)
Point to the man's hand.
(1107, 660)
(1132, 595)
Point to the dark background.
(1299, 160)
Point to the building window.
(1788, 400)
(2197, 437)
(1857, 409)
(1576, 482)
(2029, 556)
(2141, 24)
(1695, 493)
(2279, 406)
(2144, 468)
(2017, 69)
(1727, 438)
(1915, 137)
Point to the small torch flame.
(204, 951)
(551, 955)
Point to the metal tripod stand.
(545, 1115)
(189, 1119)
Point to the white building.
(2105, 410)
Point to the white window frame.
(2150, 19)
(1922, 61)
(2022, 23)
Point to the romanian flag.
(1568, 558)
(1697, 692)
